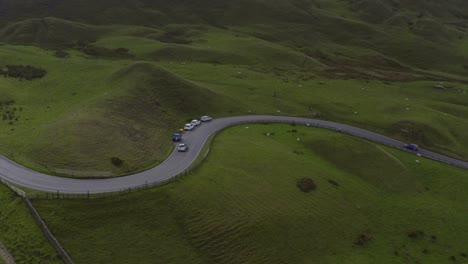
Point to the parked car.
(205, 118)
(189, 127)
(412, 147)
(176, 137)
(196, 122)
(182, 147)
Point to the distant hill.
(419, 33)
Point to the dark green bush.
(117, 161)
(26, 72)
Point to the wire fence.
(72, 196)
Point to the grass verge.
(20, 234)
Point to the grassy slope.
(78, 127)
(20, 234)
(412, 111)
(242, 206)
(299, 63)
(86, 111)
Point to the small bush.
(26, 72)
(117, 161)
(415, 234)
(334, 183)
(306, 185)
(363, 240)
(61, 54)
(119, 53)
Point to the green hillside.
(96, 88)
(371, 204)
(134, 73)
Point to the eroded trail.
(5, 255)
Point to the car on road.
(205, 118)
(411, 146)
(196, 122)
(176, 137)
(189, 127)
(182, 147)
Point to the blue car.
(177, 137)
(412, 147)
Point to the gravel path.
(5, 255)
(178, 162)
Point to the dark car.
(412, 147)
(177, 137)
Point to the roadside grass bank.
(243, 205)
(20, 234)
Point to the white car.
(182, 147)
(205, 118)
(196, 122)
(189, 127)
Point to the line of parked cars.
(177, 137)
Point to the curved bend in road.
(179, 162)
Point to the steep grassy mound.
(133, 122)
(243, 205)
(48, 32)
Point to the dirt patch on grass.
(306, 185)
(5, 255)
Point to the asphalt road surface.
(178, 162)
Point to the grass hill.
(84, 84)
(409, 31)
(308, 58)
(48, 32)
(370, 204)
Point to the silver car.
(196, 122)
(189, 127)
(205, 118)
(182, 147)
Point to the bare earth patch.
(5, 255)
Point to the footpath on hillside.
(5, 255)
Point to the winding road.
(178, 162)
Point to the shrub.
(363, 240)
(415, 234)
(119, 53)
(306, 185)
(23, 72)
(117, 161)
(334, 183)
(61, 54)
